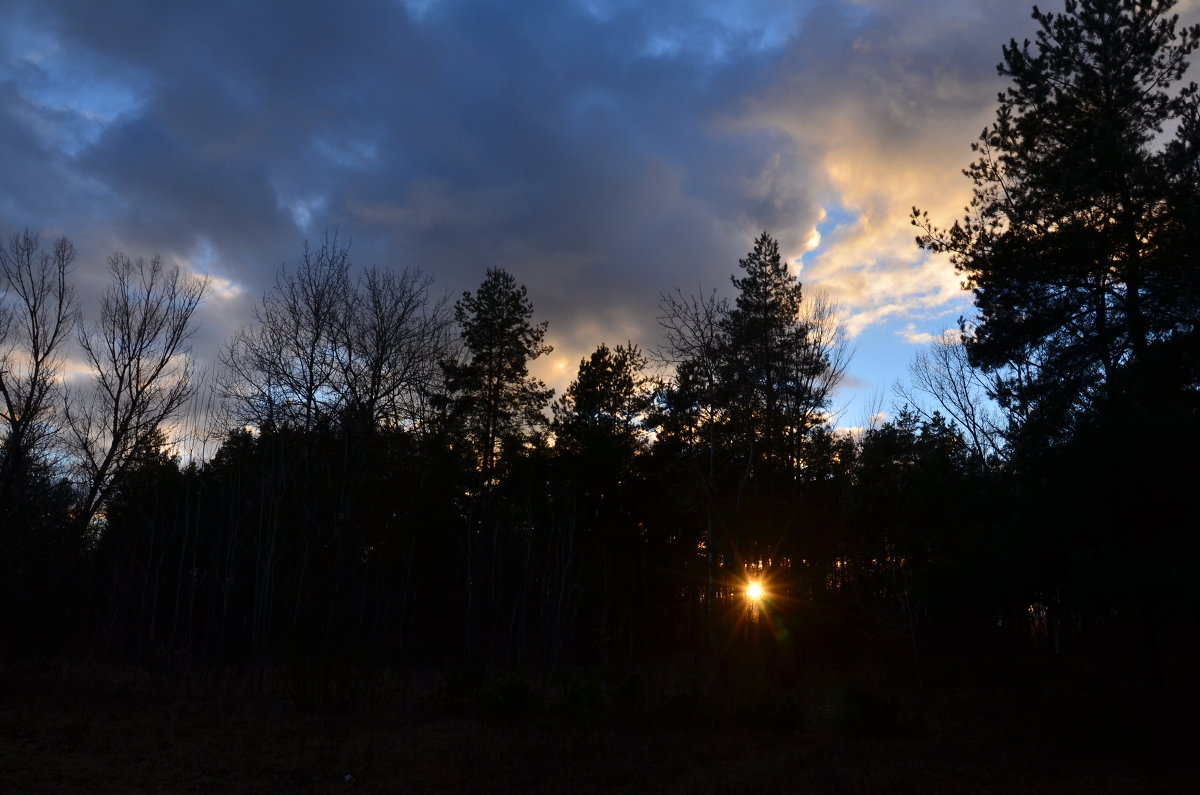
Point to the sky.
(605, 152)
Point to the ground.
(91, 729)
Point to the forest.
(392, 492)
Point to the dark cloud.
(604, 151)
(578, 149)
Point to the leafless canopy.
(942, 372)
(327, 350)
(141, 368)
(828, 342)
(37, 314)
(391, 339)
(693, 331)
(281, 371)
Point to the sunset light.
(421, 394)
(754, 591)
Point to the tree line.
(394, 487)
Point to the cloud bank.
(604, 151)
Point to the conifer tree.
(492, 394)
(1080, 240)
(771, 365)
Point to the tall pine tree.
(1080, 240)
(492, 395)
(773, 364)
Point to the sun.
(754, 591)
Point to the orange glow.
(754, 591)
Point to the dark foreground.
(1018, 728)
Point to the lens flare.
(754, 591)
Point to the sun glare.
(754, 591)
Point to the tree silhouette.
(329, 350)
(1080, 247)
(688, 414)
(141, 367)
(1079, 243)
(601, 412)
(492, 395)
(387, 347)
(768, 368)
(494, 418)
(780, 364)
(38, 559)
(943, 372)
(283, 371)
(37, 317)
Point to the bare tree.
(283, 371)
(827, 343)
(37, 314)
(141, 368)
(942, 371)
(693, 345)
(389, 343)
(324, 350)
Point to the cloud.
(604, 151)
(913, 337)
(882, 102)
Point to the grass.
(90, 730)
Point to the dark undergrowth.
(1013, 726)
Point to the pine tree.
(1080, 241)
(601, 410)
(1080, 245)
(778, 361)
(492, 395)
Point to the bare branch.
(37, 314)
(942, 372)
(142, 370)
